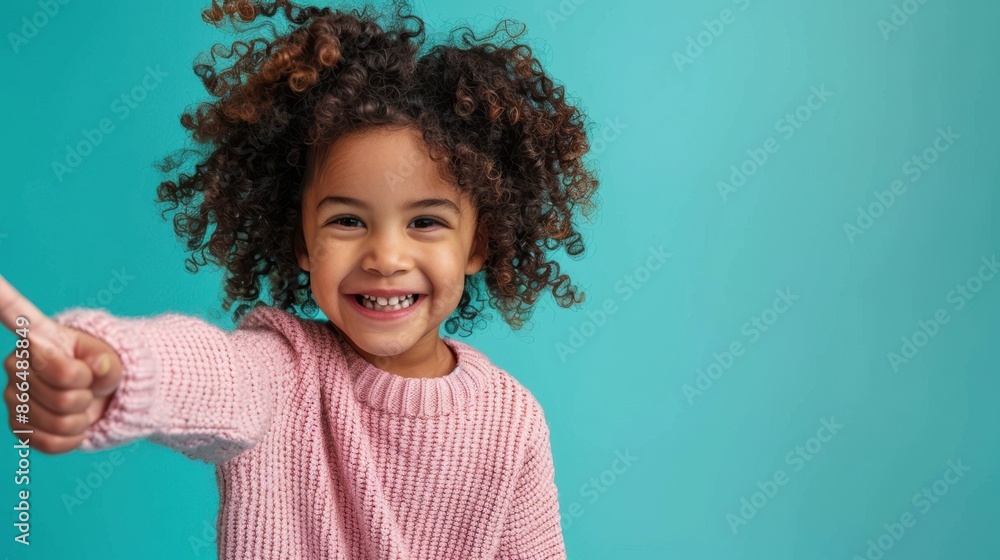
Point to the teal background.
(678, 127)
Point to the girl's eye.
(342, 219)
(430, 221)
(351, 222)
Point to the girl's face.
(377, 219)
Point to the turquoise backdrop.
(789, 344)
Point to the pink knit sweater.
(320, 454)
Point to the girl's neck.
(429, 357)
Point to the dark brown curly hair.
(510, 139)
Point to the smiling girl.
(393, 261)
(345, 168)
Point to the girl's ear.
(477, 256)
(301, 251)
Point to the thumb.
(103, 361)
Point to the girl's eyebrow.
(425, 203)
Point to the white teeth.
(387, 304)
(376, 298)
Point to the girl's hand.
(59, 380)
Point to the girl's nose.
(386, 254)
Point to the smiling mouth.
(386, 304)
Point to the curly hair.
(503, 129)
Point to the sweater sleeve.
(191, 386)
(532, 529)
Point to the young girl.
(345, 168)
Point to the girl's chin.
(386, 346)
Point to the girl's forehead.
(374, 151)
(381, 164)
(362, 189)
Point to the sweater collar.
(414, 396)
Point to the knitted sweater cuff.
(130, 414)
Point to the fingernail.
(103, 365)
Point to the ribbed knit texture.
(320, 454)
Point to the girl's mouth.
(386, 304)
(384, 308)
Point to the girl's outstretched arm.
(191, 386)
(533, 529)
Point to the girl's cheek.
(453, 293)
(327, 249)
